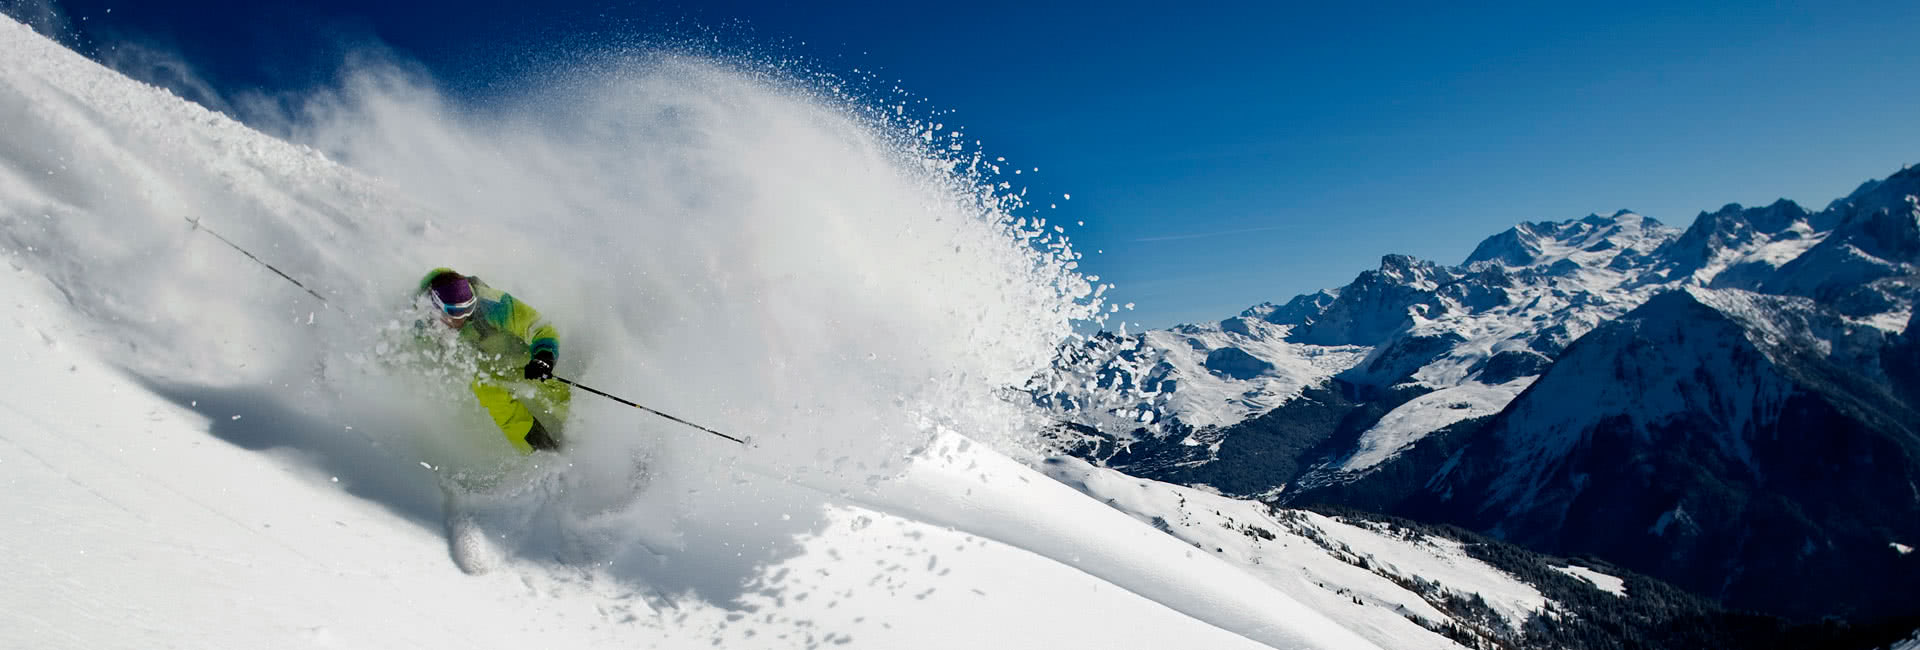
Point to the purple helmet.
(452, 294)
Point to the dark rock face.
(1732, 227)
(1512, 364)
(1303, 309)
(1902, 363)
(1393, 363)
(1864, 267)
(1778, 481)
(1375, 305)
(1236, 363)
(1257, 455)
(1724, 407)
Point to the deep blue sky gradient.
(1226, 155)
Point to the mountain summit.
(1730, 407)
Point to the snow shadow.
(260, 420)
(654, 519)
(662, 520)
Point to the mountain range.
(274, 482)
(1733, 407)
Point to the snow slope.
(1408, 422)
(1362, 572)
(1427, 345)
(199, 454)
(1604, 582)
(1472, 337)
(129, 526)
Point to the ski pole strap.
(595, 391)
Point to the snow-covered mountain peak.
(1435, 345)
(1891, 233)
(1888, 193)
(1614, 372)
(1409, 270)
(1687, 410)
(1735, 245)
(1593, 240)
(1302, 309)
(1478, 327)
(1790, 327)
(1866, 267)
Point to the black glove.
(541, 367)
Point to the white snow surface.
(1601, 581)
(198, 454)
(129, 526)
(1209, 399)
(1495, 322)
(1568, 283)
(1140, 367)
(1318, 559)
(1409, 422)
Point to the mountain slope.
(201, 454)
(1419, 345)
(1689, 441)
(1773, 322)
(130, 525)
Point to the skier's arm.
(525, 322)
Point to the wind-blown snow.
(129, 526)
(208, 456)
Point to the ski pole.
(270, 267)
(323, 300)
(591, 389)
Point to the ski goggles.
(460, 309)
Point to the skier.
(502, 331)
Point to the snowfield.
(1409, 422)
(1522, 289)
(1358, 572)
(1604, 582)
(197, 453)
(130, 526)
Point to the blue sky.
(1225, 155)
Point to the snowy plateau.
(197, 453)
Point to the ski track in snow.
(199, 454)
